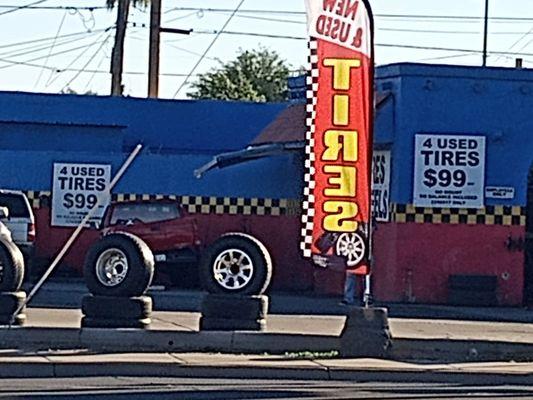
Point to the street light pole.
(485, 34)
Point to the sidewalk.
(427, 340)
(200, 365)
(413, 339)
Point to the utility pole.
(155, 39)
(486, 33)
(153, 67)
(117, 59)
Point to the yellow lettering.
(343, 181)
(335, 141)
(341, 109)
(341, 71)
(340, 216)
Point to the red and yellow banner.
(337, 207)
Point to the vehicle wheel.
(116, 307)
(222, 324)
(11, 301)
(119, 265)
(89, 322)
(236, 263)
(352, 247)
(11, 267)
(226, 306)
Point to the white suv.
(20, 221)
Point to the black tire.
(11, 267)
(226, 306)
(140, 261)
(142, 323)
(116, 307)
(220, 324)
(245, 244)
(19, 320)
(11, 301)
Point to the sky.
(55, 50)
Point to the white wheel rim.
(352, 247)
(111, 267)
(233, 269)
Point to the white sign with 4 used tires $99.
(77, 188)
(449, 171)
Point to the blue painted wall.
(179, 136)
(495, 102)
(163, 125)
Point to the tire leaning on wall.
(119, 264)
(11, 267)
(236, 263)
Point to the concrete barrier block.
(366, 333)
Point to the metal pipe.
(76, 232)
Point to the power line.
(40, 47)
(87, 63)
(53, 37)
(51, 48)
(88, 71)
(52, 79)
(209, 47)
(53, 8)
(267, 35)
(17, 8)
(51, 55)
(302, 13)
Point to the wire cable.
(41, 47)
(51, 49)
(22, 7)
(55, 8)
(87, 63)
(53, 79)
(209, 47)
(51, 38)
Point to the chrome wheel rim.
(111, 267)
(233, 269)
(352, 247)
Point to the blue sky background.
(81, 61)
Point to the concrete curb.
(241, 342)
(43, 367)
(116, 340)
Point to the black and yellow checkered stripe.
(488, 215)
(204, 204)
(400, 213)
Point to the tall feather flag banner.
(336, 220)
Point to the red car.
(141, 233)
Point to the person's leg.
(350, 286)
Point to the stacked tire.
(227, 312)
(118, 270)
(11, 276)
(235, 271)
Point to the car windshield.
(145, 213)
(16, 204)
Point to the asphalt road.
(203, 389)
